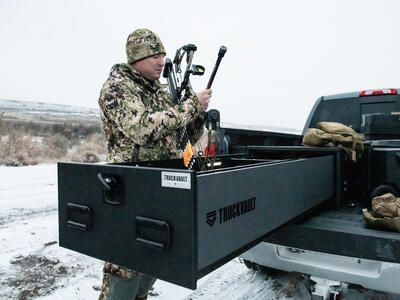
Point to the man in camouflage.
(140, 122)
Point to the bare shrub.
(99, 140)
(84, 155)
(26, 142)
(20, 151)
(88, 152)
(91, 158)
(57, 146)
(5, 126)
(2, 125)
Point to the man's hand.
(204, 98)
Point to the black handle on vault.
(111, 188)
(79, 216)
(143, 223)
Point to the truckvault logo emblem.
(176, 180)
(232, 211)
(211, 217)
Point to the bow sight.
(173, 70)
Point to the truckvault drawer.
(176, 224)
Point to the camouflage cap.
(143, 43)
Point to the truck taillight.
(378, 92)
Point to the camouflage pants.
(124, 284)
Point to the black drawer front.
(150, 229)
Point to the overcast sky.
(281, 56)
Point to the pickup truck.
(333, 244)
(267, 198)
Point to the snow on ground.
(33, 266)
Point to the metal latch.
(112, 188)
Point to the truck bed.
(346, 228)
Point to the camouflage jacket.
(136, 111)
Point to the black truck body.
(158, 218)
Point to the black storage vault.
(177, 224)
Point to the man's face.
(150, 67)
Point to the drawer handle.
(153, 225)
(79, 216)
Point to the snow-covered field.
(33, 266)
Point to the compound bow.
(180, 88)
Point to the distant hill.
(46, 111)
